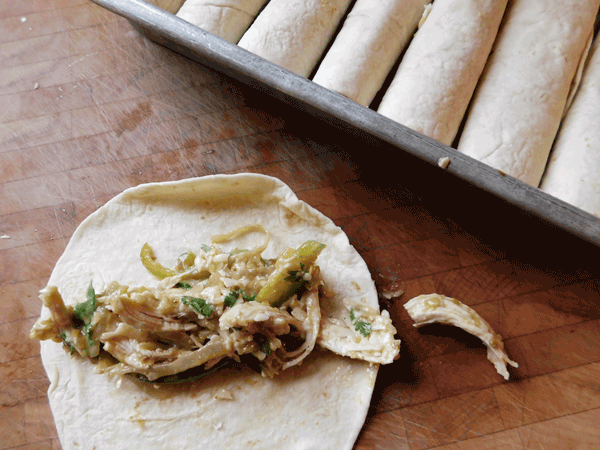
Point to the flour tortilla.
(294, 33)
(438, 74)
(525, 86)
(369, 43)
(228, 19)
(573, 172)
(321, 404)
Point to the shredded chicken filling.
(214, 305)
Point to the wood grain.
(112, 110)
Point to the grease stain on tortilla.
(136, 417)
(157, 392)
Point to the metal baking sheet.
(182, 37)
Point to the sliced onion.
(241, 232)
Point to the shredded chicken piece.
(216, 348)
(312, 321)
(60, 319)
(344, 336)
(258, 316)
(430, 308)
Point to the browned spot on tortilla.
(355, 285)
(137, 417)
(131, 120)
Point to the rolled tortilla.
(369, 43)
(573, 172)
(294, 33)
(228, 19)
(522, 95)
(438, 74)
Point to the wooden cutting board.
(88, 108)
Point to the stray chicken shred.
(430, 308)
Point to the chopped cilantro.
(231, 298)
(183, 285)
(266, 262)
(237, 251)
(206, 248)
(85, 310)
(67, 343)
(87, 332)
(198, 304)
(247, 298)
(361, 326)
(266, 348)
